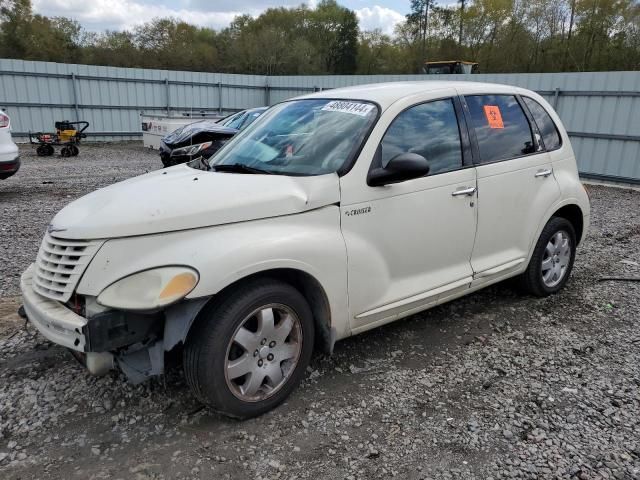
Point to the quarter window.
(501, 127)
(545, 124)
(429, 129)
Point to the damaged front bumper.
(134, 342)
(56, 322)
(61, 325)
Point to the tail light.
(4, 120)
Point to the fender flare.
(545, 219)
(180, 317)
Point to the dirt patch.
(10, 322)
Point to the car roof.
(388, 93)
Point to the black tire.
(532, 279)
(44, 150)
(210, 338)
(74, 150)
(65, 152)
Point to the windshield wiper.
(239, 168)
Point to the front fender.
(310, 242)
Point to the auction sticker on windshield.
(354, 108)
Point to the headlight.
(191, 149)
(150, 289)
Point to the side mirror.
(402, 167)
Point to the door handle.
(464, 191)
(544, 173)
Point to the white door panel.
(513, 196)
(408, 241)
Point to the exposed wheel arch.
(242, 358)
(573, 213)
(308, 286)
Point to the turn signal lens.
(179, 286)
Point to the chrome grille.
(60, 265)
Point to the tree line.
(502, 35)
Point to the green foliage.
(293, 41)
(502, 35)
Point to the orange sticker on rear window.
(494, 117)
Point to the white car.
(332, 214)
(9, 157)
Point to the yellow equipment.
(68, 134)
(444, 67)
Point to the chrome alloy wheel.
(556, 258)
(263, 352)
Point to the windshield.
(251, 118)
(234, 120)
(300, 137)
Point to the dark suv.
(203, 138)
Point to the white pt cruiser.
(332, 214)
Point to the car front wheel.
(249, 350)
(552, 259)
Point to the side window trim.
(538, 141)
(463, 130)
(528, 111)
(475, 149)
(467, 160)
(472, 134)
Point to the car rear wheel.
(552, 259)
(248, 351)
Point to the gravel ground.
(494, 385)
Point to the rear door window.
(547, 128)
(501, 127)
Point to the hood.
(184, 134)
(181, 198)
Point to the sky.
(98, 15)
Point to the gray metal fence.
(600, 110)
